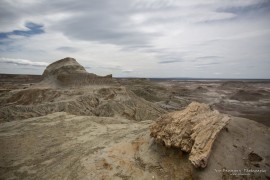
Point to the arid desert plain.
(70, 124)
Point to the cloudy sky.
(138, 38)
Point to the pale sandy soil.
(62, 146)
(102, 132)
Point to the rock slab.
(193, 130)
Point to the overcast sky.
(138, 38)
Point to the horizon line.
(169, 78)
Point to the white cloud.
(22, 62)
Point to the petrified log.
(193, 130)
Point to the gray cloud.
(210, 63)
(127, 71)
(67, 49)
(252, 10)
(110, 21)
(169, 61)
(207, 64)
(145, 33)
(115, 68)
(87, 67)
(103, 22)
(112, 68)
(209, 57)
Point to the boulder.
(193, 130)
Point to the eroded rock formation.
(64, 66)
(69, 72)
(193, 130)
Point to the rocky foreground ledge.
(193, 130)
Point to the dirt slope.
(104, 101)
(62, 146)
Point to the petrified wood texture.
(193, 130)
